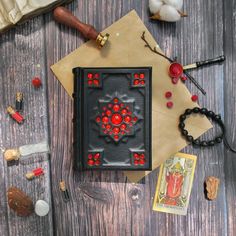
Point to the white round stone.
(41, 208)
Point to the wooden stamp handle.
(64, 16)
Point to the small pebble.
(169, 104)
(194, 98)
(41, 208)
(168, 94)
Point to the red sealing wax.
(169, 104)
(175, 80)
(36, 82)
(175, 70)
(168, 94)
(15, 115)
(194, 98)
(183, 78)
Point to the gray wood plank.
(230, 110)
(21, 50)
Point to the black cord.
(204, 143)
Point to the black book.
(112, 118)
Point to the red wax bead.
(90, 82)
(142, 82)
(98, 119)
(36, 82)
(168, 94)
(141, 162)
(96, 76)
(123, 126)
(90, 162)
(116, 100)
(97, 162)
(109, 113)
(169, 104)
(194, 98)
(90, 75)
(116, 107)
(90, 156)
(175, 80)
(141, 76)
(96, 82)
(136, 162)
(108, 127)
(116, 130)
(123, 111)
(116, 137)
(105, 119)
(136, 82)
(183, 78)
(136, 76)
(127, 119)
(116, 119)
(175, 70)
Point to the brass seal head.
(11, 154)
(102, 39)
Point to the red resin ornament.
(141, 162)
(36, 82)
(116, 100)
(175, 70)
(90, 75)
(38, 172)
(116, 130)
(141, 76)
(90, 156)
(96, 82)
(123, 127)
(127, 119)
(116, 119)
(136, 76)
(123, 111)
(136, 82)
(175, 80)
(109, 113)
(116, 108)
(105, 119)
(90, 162)
(96, 76)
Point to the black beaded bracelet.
(213, 117)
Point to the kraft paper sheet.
(126, 49)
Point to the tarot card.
(174, 184)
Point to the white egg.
(41, 208)
(155, 5)
(177, 4)
(169, 13)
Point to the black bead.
(188, 112)
(196, 110)
(189, 138)
(204, 143)
(184, 132)
(217, 117)
(210, 114)
(203, 111)
(211, 143)
(196, 142)
(182, 117)
(218, 140)
(181, 125)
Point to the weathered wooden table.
(104, 203)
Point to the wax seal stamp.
(19, 202)
(64, 16)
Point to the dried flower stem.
(171, 61)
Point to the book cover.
(112, 118)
